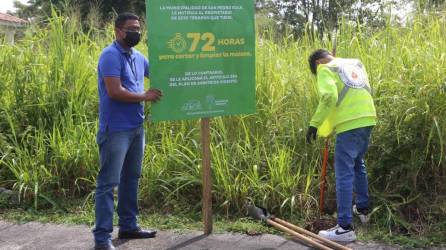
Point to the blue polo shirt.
(131, 67)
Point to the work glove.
(311, 134)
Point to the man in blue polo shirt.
(121, 72)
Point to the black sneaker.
(363, 214)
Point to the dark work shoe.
(108, 246)
(137, 234)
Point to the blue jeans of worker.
(121, 154)
(351, 174)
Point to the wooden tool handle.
(306, 232)
(299, 236)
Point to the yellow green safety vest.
(345, 95)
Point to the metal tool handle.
(323, 183)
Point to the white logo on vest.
(353, 75)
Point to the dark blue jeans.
(121, 154)
(351, 174)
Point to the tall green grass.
(48, 121)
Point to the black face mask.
(132, 38)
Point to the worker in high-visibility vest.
(345, 108)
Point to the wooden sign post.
(207, 177)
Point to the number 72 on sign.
(207, 39)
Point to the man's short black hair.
(316, 55)
(122, 18)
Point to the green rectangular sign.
(202, 57)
